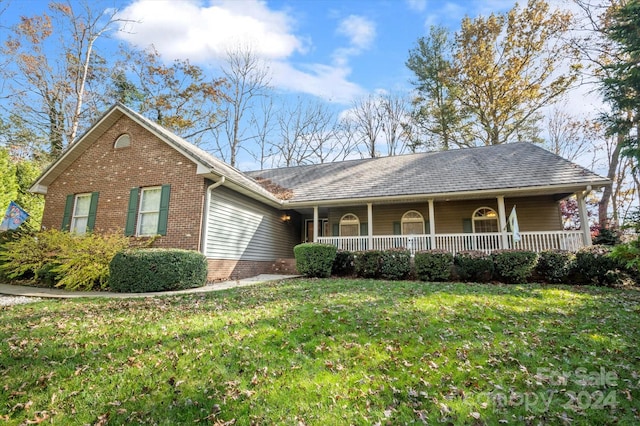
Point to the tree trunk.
(603, 205)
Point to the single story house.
(128, 174)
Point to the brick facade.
(148, 161)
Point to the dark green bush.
(474, 265)
(395, 264)
(315, 260)
(595, 266)
(433, 265)
(367, 263)
(607, 237)
(554, 266)
(343, 264)
(514, 266)
(146, 270)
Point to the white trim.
(404, 220)
(343, 218)
(74, 216)
(473, 218)
(141, 212)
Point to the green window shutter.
(68, 208)
(163, 217)
(397, 228)
(427, 227)
(336, 230)
(467, 226)
(364, 229)
(93, 209)
(132, 212)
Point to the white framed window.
(80, 215)
(123, 141)
(149, 211)
(349, 225)
(485, 219)
(412, 223)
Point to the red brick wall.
(113, 172)
(222, 270)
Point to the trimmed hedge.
(147, 270)
(474, 265)
(315, 260)
(343, 264)
(555, 266)
(433, 265)
(367, 263)
(514, 266)
(395, 264)
(594, 265)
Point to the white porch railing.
(487, 242)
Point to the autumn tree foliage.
(507, 67)
(178, 95)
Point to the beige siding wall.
(240, 228)
(534, 214)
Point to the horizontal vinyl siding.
(534, 214)
(243, 229)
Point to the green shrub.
(594, 265)
(433, 265)
(314, 260)
(554, 266)
(84, 263)
(343, 264)
(146, 270)
(395, 264)
(514, 266)
(607, 237)
(367, 263)
(61, 259)
(34, 256)
(474, 265)
(628, 255)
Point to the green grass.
(320, 352)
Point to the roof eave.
(511, 192)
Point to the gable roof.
(207, 164)
(509, 168)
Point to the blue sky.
(337, 50)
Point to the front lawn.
(319, 352)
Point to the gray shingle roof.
(509, 166)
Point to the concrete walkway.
(56, 293)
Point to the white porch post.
(432, 225)
(502, 220)
(584, 217)
(315, 224)
(370, 226)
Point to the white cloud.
(360, 31)
(417, 5)
(203, 34)
(329, 82)
(185, 29)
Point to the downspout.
(205, 231)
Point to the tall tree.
(247, 79)
(366, 122)
(622, 86)
(508, 66)
(178, 96)
(54, 61)
(437, 112)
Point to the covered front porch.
(449, 224)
